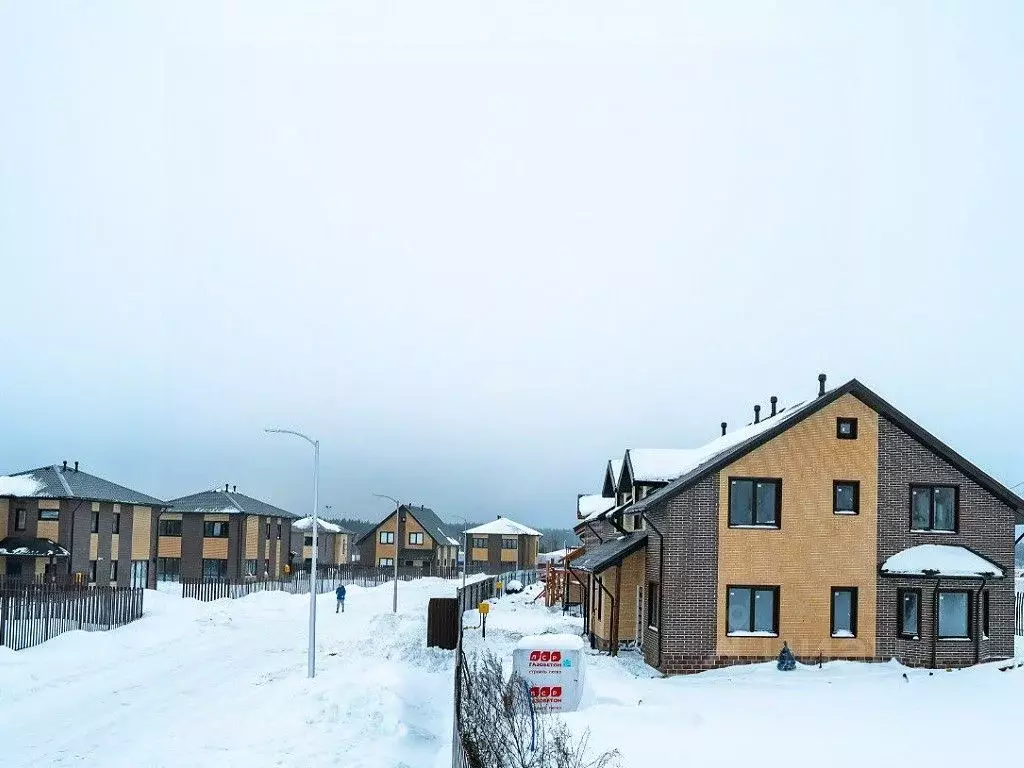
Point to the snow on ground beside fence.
(224, 683)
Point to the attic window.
(846, 429)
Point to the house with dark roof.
(60, 520)
(837, 525)
(502, 545)
(224, 534)
(415, 535)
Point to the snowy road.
(224, 684)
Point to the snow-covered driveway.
(225, 684)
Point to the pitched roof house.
(838, 525)
(423, 540)
(223, 534)
(333, 542)
(60, 520)
(502, 545)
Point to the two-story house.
(839, 526)
(223, 534)
(333, 543)
(414, 535)
(61, 521)
(502, 545)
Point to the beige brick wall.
(252, 537)
(412, 526)
(142, 530)
(815, 549)
(5, 511)
(633, 573)
(385, 550)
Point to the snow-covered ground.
(224, 684)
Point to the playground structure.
(562, 585)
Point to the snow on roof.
(503, 526)
(659, 465)
(940, 560)
(24, 485)
(593, 503)
(616, 467)
(552, 557)
(306, 523)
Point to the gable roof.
(503, 526)
(439, 531)
(59, 482)
(611, 552)
(730, 447)
(612, 472)
(221, 502)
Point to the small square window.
(846, 429)
(846, 497)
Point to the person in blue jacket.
(340, 593)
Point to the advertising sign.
(552, 665)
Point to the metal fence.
(299, 583)
(32, 613)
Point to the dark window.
(20, 519)
(954, 613)
(984, 613)
(755, 502)
(117, 522)
(113, 570)
(846, 429)
(638, 522)
(268, 531)
(266, 563)
(415, 538)
(308, 541)
(49, 514)
(169, 528)
(844, 611)
(479, 542)
(909, 609)
(933, 507)
(600, 596)
(215, 569)
(510, 543)
(387, 537)
(752, 610)
(652, 605)
(386, 562)
(168, 568)
(278, 530)
(250, 567)
(95, 527)
(215, 529)
(92, 571)
(846, 497)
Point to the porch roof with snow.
(592, 504)
(610, 553)
(306, 524)
(30, 546)
(941, 560)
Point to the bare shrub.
(499, 731)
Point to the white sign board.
(552, 665)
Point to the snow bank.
(550, 642)
(22, 485)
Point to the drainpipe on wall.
(935, 622)
(977, 622)
(661, 579)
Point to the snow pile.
(22, 485)
(503, 526)
(514, 586)
(940, 560)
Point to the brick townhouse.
(60, 520)
(223, 534)
(837, 525)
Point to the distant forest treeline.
(552, 538)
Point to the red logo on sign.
(556, 655)
(534, 655)
(546, 692)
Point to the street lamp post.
(398, 515)
(311, 660)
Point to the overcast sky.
(479, 253)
